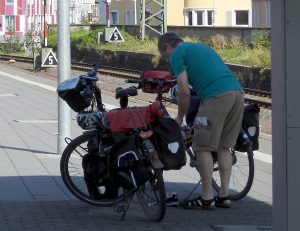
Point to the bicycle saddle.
(130, 91)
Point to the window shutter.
(229, 17)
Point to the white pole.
(49, 13)
(64, 71)
(40, 15)
(135, 13)
(30, 14)
(35, 16)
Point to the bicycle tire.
(242, 175)
(72, 172)
(157, 185)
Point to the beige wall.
(122, 6)
(199, 3)
(175, 16)
(226, 8)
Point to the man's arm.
(183, 96)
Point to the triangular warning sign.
(50, 60)
(116, 36)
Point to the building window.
(242, 17)
(210, 17)
(9, 1)
(199, 17)
(129, 17)
(200, 20)
(10, 23)
(114, 16)
(190, 18)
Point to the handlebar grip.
(96, 66)
(133, 81)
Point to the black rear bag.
(250, 128)
(127, 168)
(96, 174)
(170, 142)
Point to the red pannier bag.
(126, 119)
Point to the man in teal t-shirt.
(219, 117)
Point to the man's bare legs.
(205, 167)
(225, 166)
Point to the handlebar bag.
(156, 81)
(170, 142)
(74, 92)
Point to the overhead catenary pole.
(143, 19)
(156, 21)
(64, 71)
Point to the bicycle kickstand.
(128, 198)
(193, 190)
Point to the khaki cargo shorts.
(218, 121)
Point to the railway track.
(262, 98)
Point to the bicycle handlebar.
(133, 81)
(149, 81)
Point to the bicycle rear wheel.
(73, 175)
(242, 174)
(152, 196)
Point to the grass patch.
(258, 57)
(231, 50)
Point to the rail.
(262, 98)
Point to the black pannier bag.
(170, 142)
(73, 91)
(127, 169)
(250, 128)
(96, 174)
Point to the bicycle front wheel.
(242, 174)
(152, 196)
(73, 174)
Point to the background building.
(220, 13)
(261, 13)
(84, 11)
(22, 15)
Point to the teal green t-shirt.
(207, 73)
